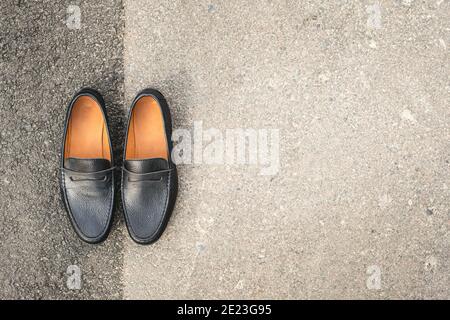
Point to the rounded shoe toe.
(90, 214)
(146, 217)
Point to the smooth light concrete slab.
(360, 93)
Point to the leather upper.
(90, 200)
(149, 186)
(147, 198)
(86, 165)
(87, 185)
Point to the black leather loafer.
(87, 171)
(149, 177)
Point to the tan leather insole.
(87, 135)
(146, 135)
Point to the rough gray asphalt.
(43, 63)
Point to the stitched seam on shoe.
(165, 206)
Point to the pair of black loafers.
(149, 177)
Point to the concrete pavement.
(359, 91)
